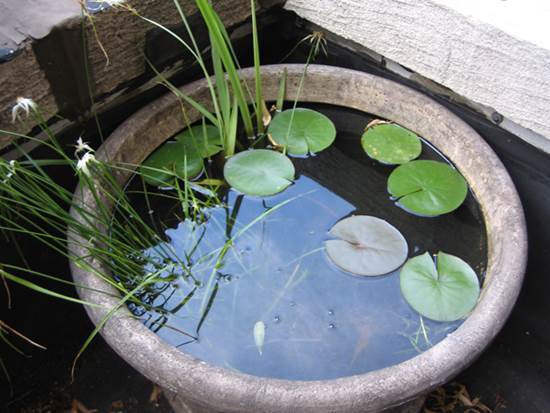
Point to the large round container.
(195, 386)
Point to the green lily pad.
(366, 245)
(391, 144)
(446, 293)
(427, 188)
(311, 131)
(173, 157)
(260, 172)
(205, 139)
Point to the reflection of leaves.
(366, 246)
(390, 143)
(259, 172)
(302, 131)
(204, 313)
(446, 293)
(428, 188)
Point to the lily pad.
(205, 139)
(390, 144)
(428, 188)
(310, 132)
(173, 157)
(366, 246)
(260, 172)
(446, 293)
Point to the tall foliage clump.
(33, 204)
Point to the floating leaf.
(205, 139)
(428, 188)
(390, 144)
(259, 172)
(446, 293)
(259, 335)
(311, 131)
(366, 246)
(173, 157)
(182, 156)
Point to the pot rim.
(210, 385)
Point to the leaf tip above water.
(259, 335)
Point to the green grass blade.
(213, 25)
(257, 74)
(282, 91)
(43, 290)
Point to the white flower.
(113, 2)
(22, 105)
(11, 170)
(83, 164)
(82, 146)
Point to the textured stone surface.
(23, 19)
(119, 32)
(203, 386)
(123, 35)
(474, 58)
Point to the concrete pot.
(195, 386)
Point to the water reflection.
(234, 269)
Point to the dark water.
(320, 322)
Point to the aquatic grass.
(112, 234)
(42, 200)
(282, 92)
(257, 75)
(227, 80)
(148, 280)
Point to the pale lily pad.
(366, 245)
(174, 158)
(390, 144)
(205, 139)
(446, 293)
(428, 188)
(259, 172)
(310, 132)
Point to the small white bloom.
(82, 146)
(10, 167)
(83, 164)
(22, 105)
(113, 2)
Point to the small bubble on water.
(276, 319)
(331, 326)
(330, 312)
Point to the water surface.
(320, 322)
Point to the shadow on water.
(231, 270)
